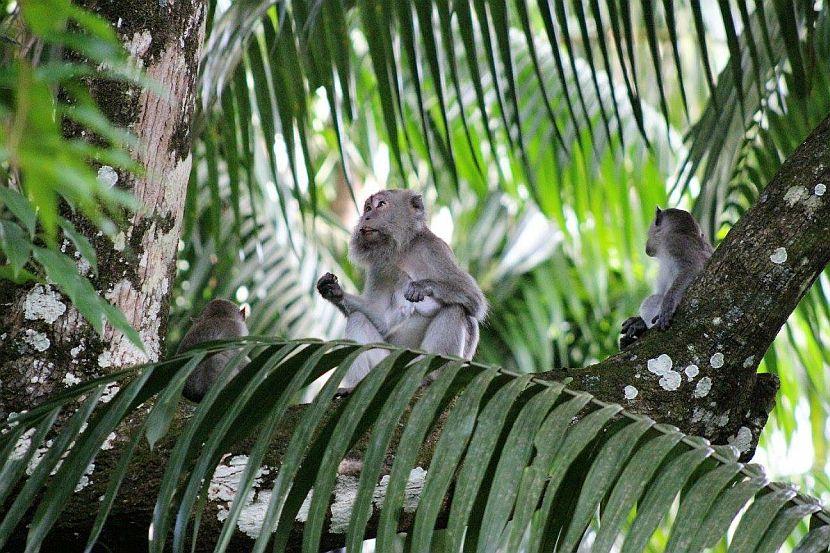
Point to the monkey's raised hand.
(417, 290)
(329, 288)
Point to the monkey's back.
(208, 371)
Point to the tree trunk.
(699, 375)
(45, 344)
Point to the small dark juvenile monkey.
(416, 296)
(219, 320)
(677, 242)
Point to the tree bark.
(699, 375)
(45, 344)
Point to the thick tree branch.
(732, 312)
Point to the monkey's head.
(670, 223)
(390, 219)
(222, 309)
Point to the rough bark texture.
(45, 344)
(723, 328)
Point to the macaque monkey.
(220, 320)
(416, 295)
(677, 242)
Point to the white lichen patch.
(722, 420)
(38, 456)
(779, 256)
(345, 494)
(107, 176)
(302, 513)
(820, 189)
(109, 443)
(38, 379)
(24, 442)
(703, 387)
(119, 242)
(83, 266)
(716, 361)
(253, 513)
(43, 303)
(85, 481)
(69, 379)
(717, 321)
(105, 359)
(412, 492)
(225, 484)
(749, 361)
(670, 380)
(630, 392)
(109, 392)
(742, 440)
(38, 340)
(139, 43)
(697, 414)
(225, 481)
(74, 352)
(691, 372)
(795, 194)
(660, 365)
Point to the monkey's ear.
(417, 202)
(245, 311)
(658, 215)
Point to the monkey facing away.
(677, 242)
(219, 320)
(416, 296)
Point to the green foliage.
(508, 135)
(546, 133)
(46, 177)
(509, 441)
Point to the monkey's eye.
(381, 203)
(367, 208)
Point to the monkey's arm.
(460, 289)
(672, 297)
(330, 289)
(434, 271)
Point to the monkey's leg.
(650, 308)
(448, 332)
(361, 330)
(472, 338)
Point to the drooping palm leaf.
(635, 461)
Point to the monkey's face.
(389, 214)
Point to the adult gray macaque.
(677, 242)
(416, 296)
(219, 320)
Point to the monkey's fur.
(416, 295)
(219, 320)
(677, 242)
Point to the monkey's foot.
(632, 329)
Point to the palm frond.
(508, 443)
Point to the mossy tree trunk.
(45, 344)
